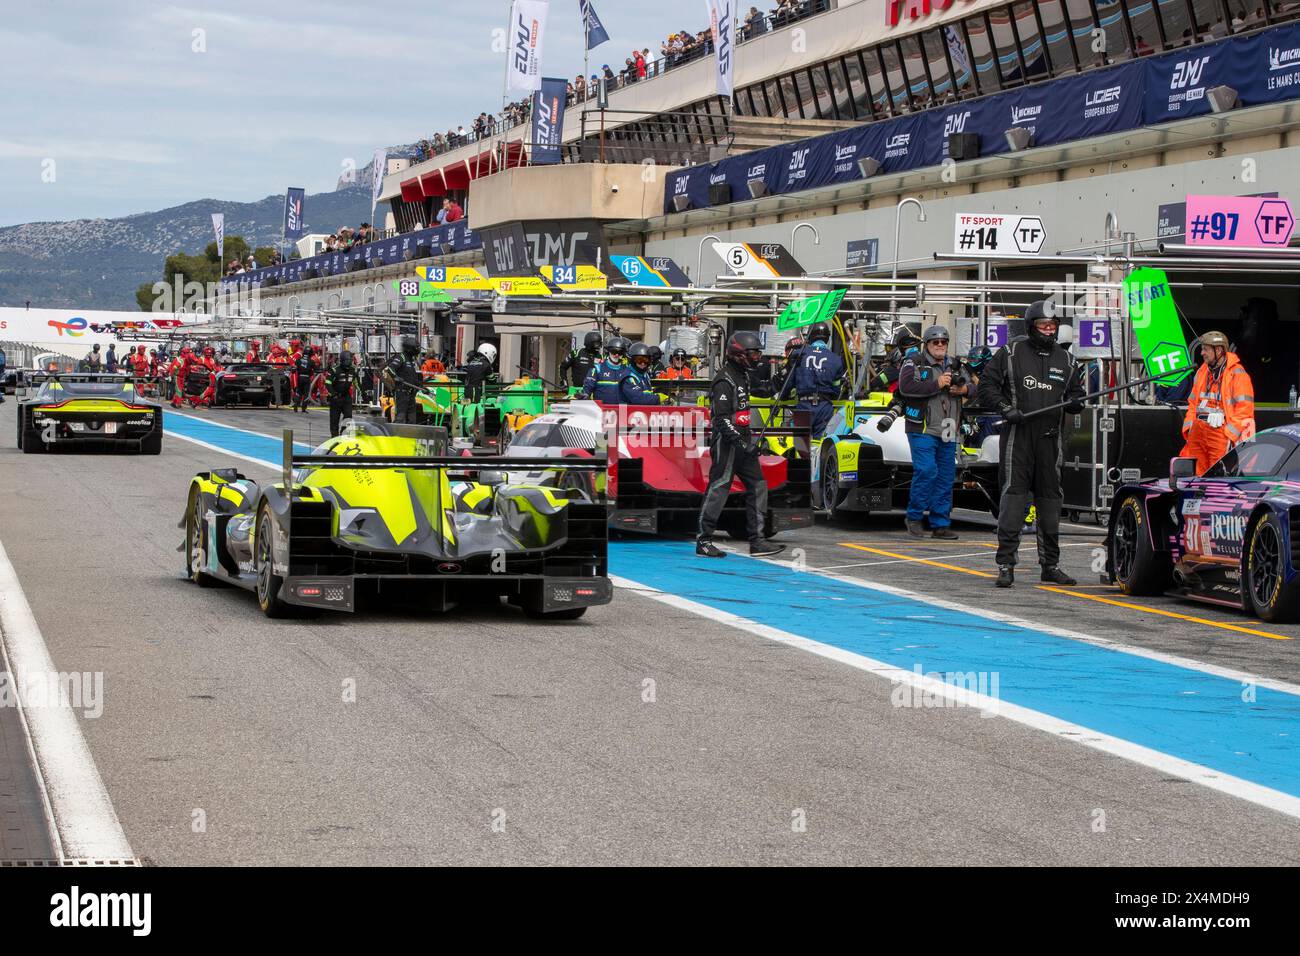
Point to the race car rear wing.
(457, 465)
(29, 379)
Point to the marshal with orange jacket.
(1221, 407)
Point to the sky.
(108, 109)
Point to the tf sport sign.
(993, 232)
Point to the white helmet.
(488, 351)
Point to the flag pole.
(586, 46)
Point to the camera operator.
(931, 386)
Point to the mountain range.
(99, 263)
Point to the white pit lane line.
(83, 823)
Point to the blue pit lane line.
(1185, 713)
(1179, 711)
(238, 440)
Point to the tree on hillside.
(205, 268)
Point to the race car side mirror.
(1181, 468)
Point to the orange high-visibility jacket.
(1232, 391)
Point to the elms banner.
(293, 199)
(548, 121)
(524, 56)
(219, 227)
(722, 26)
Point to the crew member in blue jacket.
(614, 381)
(816, 377)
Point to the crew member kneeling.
(1031, 374)
(735, 451)
(931, 389)
(1221, 407)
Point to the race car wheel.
(196, 547)
(568, 614)
(1270, 597)
(1137, 566)
(268, 582)
(830, 485)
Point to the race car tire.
(830, 484)
(196, 544)
(30, 442)
(151, 444)
(268, 582)
(568, 614)
(1137, 566)
(1265, 574)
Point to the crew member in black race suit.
(735, 451)
(339, 381)
(1031, 373)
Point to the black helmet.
(820, 332)
(617, 345)
(678, 354)
(740, 345)
(1042, 311)
(591, 341)
(345, 358)
(656, 353)
(410, 346)
(978, 357)
(639, 350)
(793, 343)
(903, 337)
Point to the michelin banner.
(1263, 68)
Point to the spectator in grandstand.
(753, 22)
(462, 137)
(1238, 20)
(610, 78)
(454, 212)
(649, 63)
(580, 88)
(250, 263)
(1220, 29)
(638, 58)
(234, 268)
(1143, 47)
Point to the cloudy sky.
(116, 108)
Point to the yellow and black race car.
(87, 412)
(382, 511)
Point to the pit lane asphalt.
(482, 715)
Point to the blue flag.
(596, 34)
(293, 212)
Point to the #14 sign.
(993, 232)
